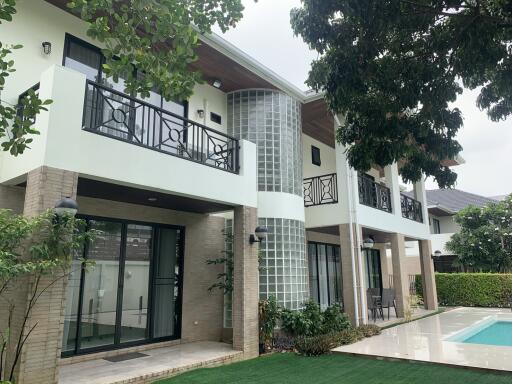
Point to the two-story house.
(163, 180)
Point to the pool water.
(496, 333)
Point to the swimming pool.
(490, 332)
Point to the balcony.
(118, 139)
(320, 190)
(373, 194)
(411, 208)
(122, 117)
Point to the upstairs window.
(436, 226)
(315, 156)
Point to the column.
(347, 271)
(420, 194)
(40, 356)
(427, 275)
(400, 278)
(245, 283)
(393, 183)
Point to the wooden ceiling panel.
(318, 122)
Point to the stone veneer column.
(40, 356)
(400, 278)
(245, 283)
(347, 274)
(427, 275)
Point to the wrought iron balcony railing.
(120, 116)
(373, 194)
(320, 190)
(411, 208)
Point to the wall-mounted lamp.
(66, 207)
(217, 83)
(437, 254)
(368, 243)
(47, 47)
(260, 234)
(200, 113)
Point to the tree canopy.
(392, 68)
(484, 242)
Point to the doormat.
(124, 357)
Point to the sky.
(265, 34)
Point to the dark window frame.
(316, 158)
(151, 287)
(216, 118)
(317, 262)
(436, 226)
(69, 38)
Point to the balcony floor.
(158, 363)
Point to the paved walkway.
(425, 340)
(159, 363)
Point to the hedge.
(472, 289)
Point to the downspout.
(351, 211)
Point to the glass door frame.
(151, 289)
(369, 253)
(328, 277)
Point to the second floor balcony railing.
(126, 118)
(320, 190)
(411, 208)
(373, 194)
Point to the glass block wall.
(271, 120)
(284, 272)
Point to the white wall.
(327, 156)
(63, 144)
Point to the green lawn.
(290, 368)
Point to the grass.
(289, 368)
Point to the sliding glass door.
(373, 276)
(325, 282)
(131, 293)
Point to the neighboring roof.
(452, 201)
(499, 197)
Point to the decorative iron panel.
(411, 208)
(126, 118)
(373, 194)
(320, 190)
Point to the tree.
(156, 37)
(392, 68)
(35, 254)
(484, 242)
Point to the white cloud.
(265, 34)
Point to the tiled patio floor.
(160, 363)
(425, 340)
(418, 312)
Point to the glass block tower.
(272, 120)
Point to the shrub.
(472, 289)
(268, 316)
(347, 336)
(369, 330)
(335, 320)
(314, 345)
(312, 321)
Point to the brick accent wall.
(12, 198)
(245, 283)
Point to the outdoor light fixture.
(66, 207)
(217, 83)
(437, 254)
(47, 47)
(200, 113)
(260, 234)
(368, 243)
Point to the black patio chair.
(388, 299)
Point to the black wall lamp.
(368, 243)
(66, 207)
(437, 254)
(260, 234)
(47, 47)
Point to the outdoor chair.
(374, 303)
(388, 299)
